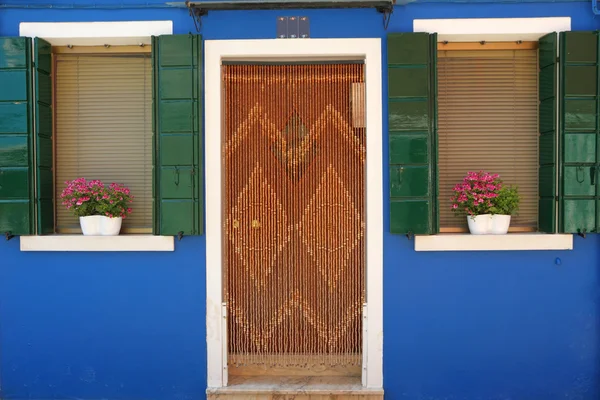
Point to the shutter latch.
(179, 235)
(176, 173)
(580, 179)
(192, 173)
(8, 236)
(581, 232)
(410, 235)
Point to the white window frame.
(493, 30)
(292, 50)
(122, 33)
(96, 34)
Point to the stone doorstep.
(294, 397)
(294, 388)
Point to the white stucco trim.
(120, 33)
(492, 29)
(513, 241)
(272, 49)
(97, 243)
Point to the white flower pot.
(479, 224)
(500, 224)
(91, 225)
(98, 225)
(111, 226)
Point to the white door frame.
(293, 50)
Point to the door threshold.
(274, 387)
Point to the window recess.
(488, 120)
(103, 128)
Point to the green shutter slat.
(155, 182)
(547, 125)
(412, 139)
(434, 137)
(43, 139)
(579, 185)
(177, 62)
(16, 192)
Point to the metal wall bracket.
(197, 14)
(198, 9)
(387, 15)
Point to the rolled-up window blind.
(104, 128)
(488, 120)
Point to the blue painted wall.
(468, 326)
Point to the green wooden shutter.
(412, 118)
(43, 144)
(579, 133)
(548, 69)
(16, 192)
(177, 63)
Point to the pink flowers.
(93, 198)
(475, 193)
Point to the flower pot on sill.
(499, 224)
(91, 225)
(479, 224)
(98, 225)
(111, 226)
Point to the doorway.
(294, 160)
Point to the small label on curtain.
(357, 100)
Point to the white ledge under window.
(511, 241)
(97, 243)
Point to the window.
(113, 113)
(103, 128)
(428, 130)
(488, 120)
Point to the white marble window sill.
(511, 241)
(97, 243)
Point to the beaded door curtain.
(294, 246)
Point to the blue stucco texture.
(103, 326)
(458, 326)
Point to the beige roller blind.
(488, 120)
(104, 128)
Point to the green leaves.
(114, 201)
(507, 201)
